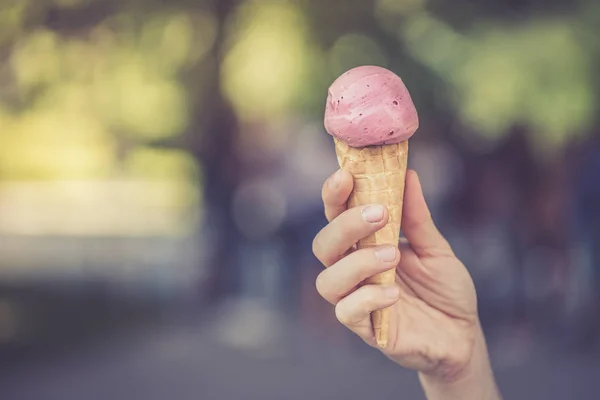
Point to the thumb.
(417, 224)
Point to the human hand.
(434, 326)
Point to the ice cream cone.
(379, 175)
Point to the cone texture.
(379, 175)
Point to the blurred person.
(496, 231)
(487, 239)
(221, 173)
(434, 327)
(546, 264)
(587, 233)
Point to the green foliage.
(84, 102)
(118, 82)
(268, 60)
(534, 74)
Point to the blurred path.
(186, 362)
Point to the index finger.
(335, 193)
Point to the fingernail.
(373, 213)
(391, 292)
(335, 180)
(386, 254)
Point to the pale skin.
(434, 327)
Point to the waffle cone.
(379, 175)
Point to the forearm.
(475, 383)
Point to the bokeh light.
(267, 63)
(500, 76)
(353, 50)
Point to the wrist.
(473, 379)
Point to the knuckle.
(320, 284)
(317, 247)
(342, 315)
(325, 189)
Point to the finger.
(408, 267)
(343, 277)
(342, 233)
(335, 193)
(409, 257)
(354, 311)
(417, 224)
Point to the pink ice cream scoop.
(369, 106)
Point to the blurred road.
(187, 362)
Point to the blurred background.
(160, 174)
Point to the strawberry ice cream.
(370, 106)
(371, 116)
